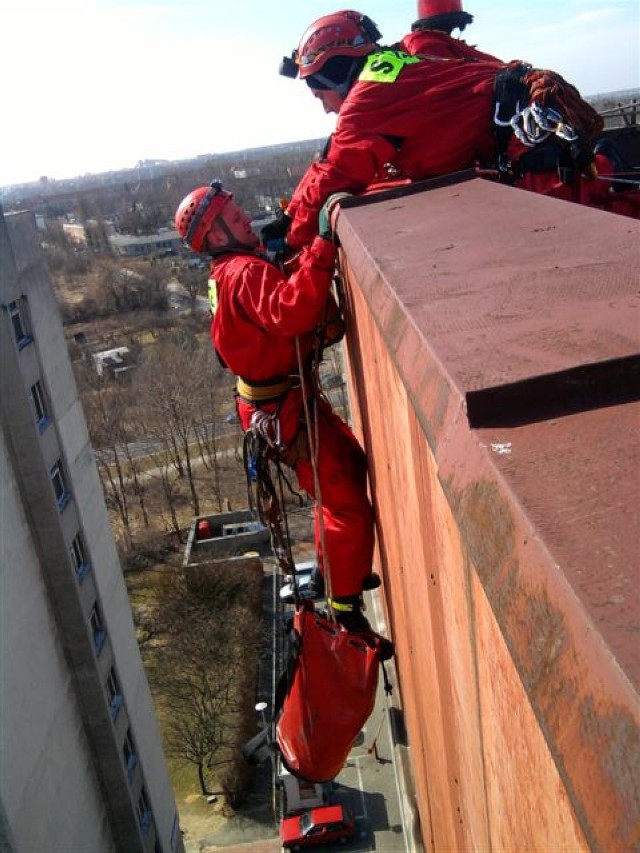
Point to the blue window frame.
(114, 693)
(97, 628)
(63, 496)
(18, 315)
(175, 832)
(143, 812)
(79, 558)
(130, 755)
(39, 406)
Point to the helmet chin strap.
(233, 244)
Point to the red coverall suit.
(258, 315)
(437, 43)
(435, 116)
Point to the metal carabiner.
(531, 127)
(500, 122)
(267, 425)
(520, 132)
(566, 132)
(546, 117)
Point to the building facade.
(81, 761)
(165, 242)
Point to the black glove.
(273, 233)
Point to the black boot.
(316, 582)
(348, 613)
(385, 649)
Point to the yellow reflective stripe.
(384, 66)
(213, 295)
(337, 605)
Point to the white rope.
(314, 449)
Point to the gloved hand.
(273, 233)
(328, 215)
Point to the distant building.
(92, 234)
(226, 534)
(163, 243)
(112, 361)
(81, 760)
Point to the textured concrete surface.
(509, 541)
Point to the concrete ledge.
(508, 552)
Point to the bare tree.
(162, 471)
(175, 390)
(210, 633)
(104, 411)
(194, 282)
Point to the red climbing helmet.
(197, 213)
(429, 8)
(445, 15)
(345, 33)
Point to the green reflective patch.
(384, 66)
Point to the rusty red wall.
(509, 549)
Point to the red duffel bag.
(330, 693)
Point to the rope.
(269, 504)
(314, 449)
(612, 179)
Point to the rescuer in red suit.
(258, 313)
(431, 34)
(420, 116)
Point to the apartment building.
(82, 768)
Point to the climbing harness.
(534, 124)
(266, 391)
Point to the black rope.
(388, 687)
(266, 500)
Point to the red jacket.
(260, 311)
(435, 118)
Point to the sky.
(89, 86)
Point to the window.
(143, 811)
(175, 832)
(59, 486)
(99, 633)
(79, 557)
(39, 406)
(18, 315)
(114, 694)
(129, 752)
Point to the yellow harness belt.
(263, 392)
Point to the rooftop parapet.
(494, 361)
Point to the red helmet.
(445, 15)
(429, 8)
(345, 33)
(197, 213)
